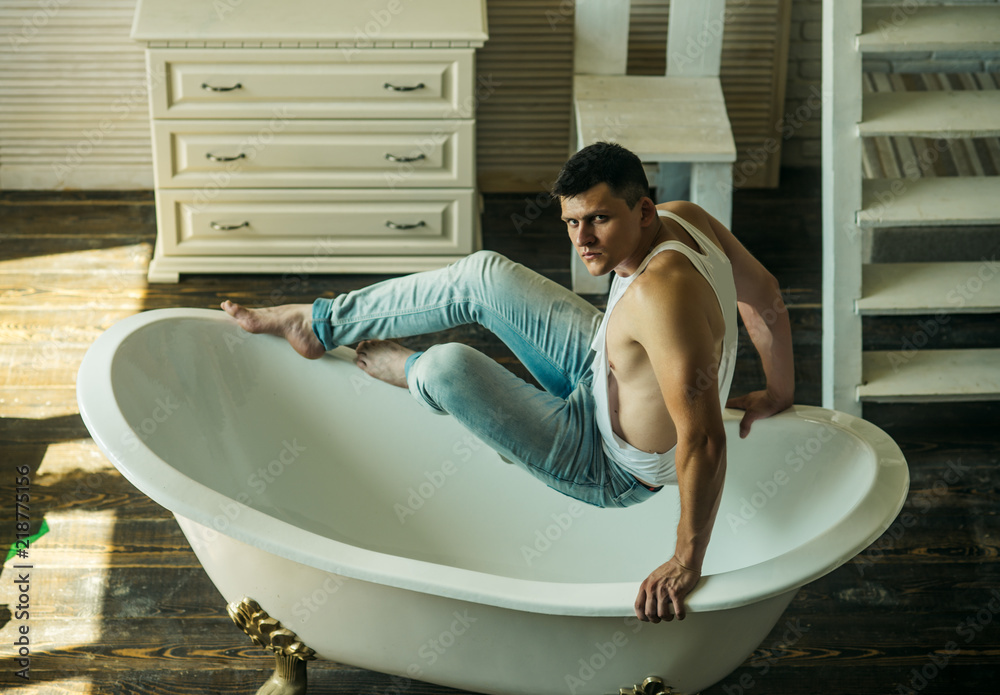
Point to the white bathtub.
(388, 538)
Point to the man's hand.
(758, 405)
(661, 595)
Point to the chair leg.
(712, 189)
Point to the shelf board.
(930, 288)
(933, 201)
(933, 114)
(930, 375)
(890, 29)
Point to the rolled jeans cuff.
(322, 309)
(409, 363)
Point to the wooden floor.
(119, 604)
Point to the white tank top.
(714, 265)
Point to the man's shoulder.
(694, 215)
(669, 280)
(681, 207)
(688, 211)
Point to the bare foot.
(293, 322)
(384, 360)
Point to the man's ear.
(648, 210)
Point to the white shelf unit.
(854, 207)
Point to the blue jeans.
(550, 432)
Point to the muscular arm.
(681, 339)
(765, 316)
(766, 319)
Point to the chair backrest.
(694, 37)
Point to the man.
(632, 397)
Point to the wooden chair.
(677, 121)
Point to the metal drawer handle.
(394, 158)
(393, 225)
(228, 227)
(216, 158)
(205, 85)
(397, 88)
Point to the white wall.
(73, 100)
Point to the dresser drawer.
(306, 154)
(248, 222)
(311, 83)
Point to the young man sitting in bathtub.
(662, 355)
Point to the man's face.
(604, 231)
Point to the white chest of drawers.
(321, 136)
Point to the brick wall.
(803, 90)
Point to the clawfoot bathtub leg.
(289, 677)
(653, 685)
(290, 655)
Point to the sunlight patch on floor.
(67, 686)
(55, 306)
(122, 260)
(67, 572)
(76, 456)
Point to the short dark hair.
(603, 162)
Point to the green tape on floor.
(14, 549)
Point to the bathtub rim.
(171, 489)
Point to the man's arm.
(765, 316)
(680, 342)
